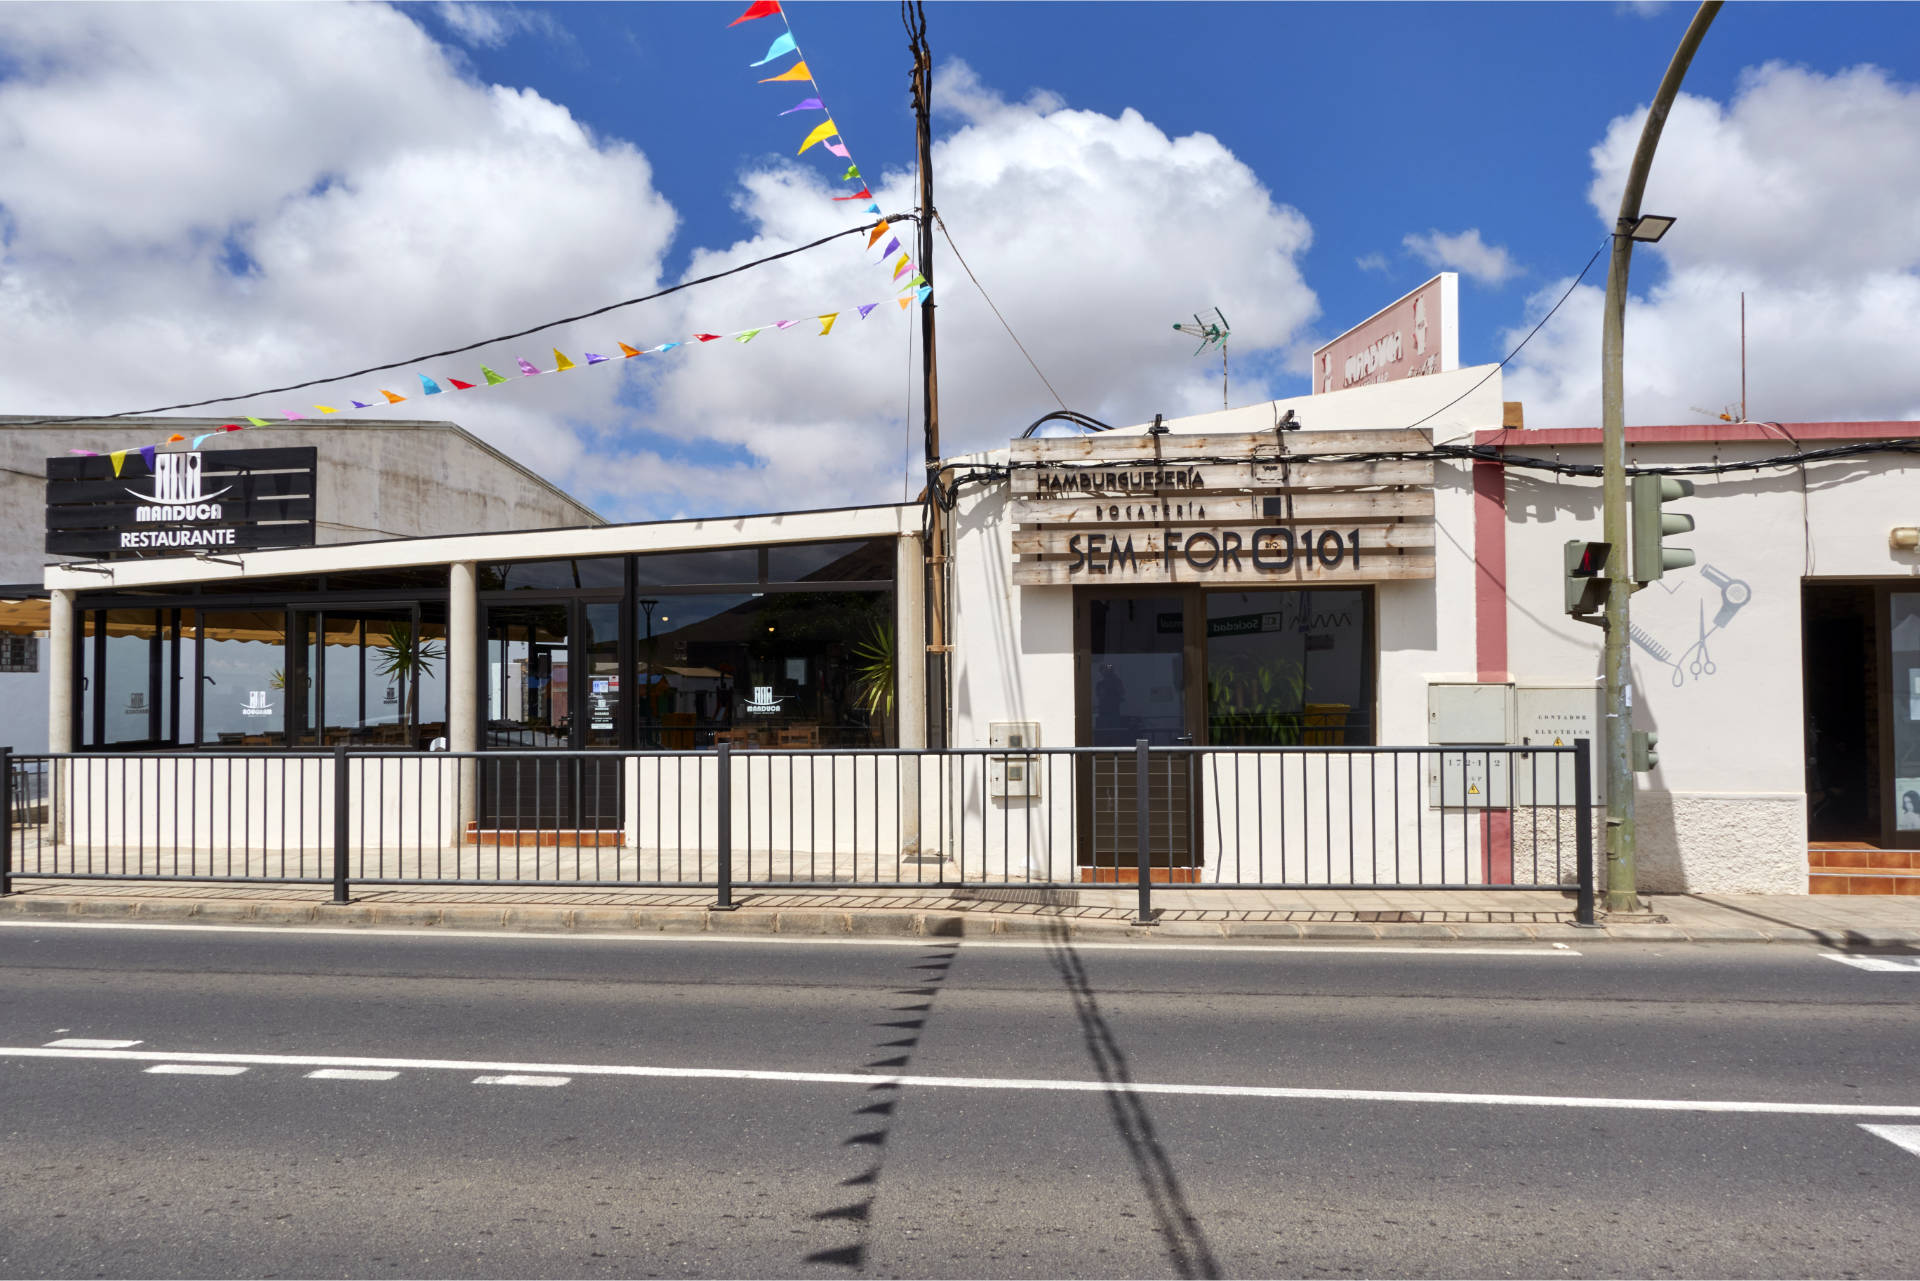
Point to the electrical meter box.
(1012, 776)
(1553, 716)
(1465, 714)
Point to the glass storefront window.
(1904, 650)
(1289, 667)
(243, 687)
(845, 562)
(600, 572)
(722, 565)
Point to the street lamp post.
(1622, 845)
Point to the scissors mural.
(1696, 660)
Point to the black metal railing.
(1203, 818)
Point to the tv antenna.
(1211, 333)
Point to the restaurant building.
(1334, 570)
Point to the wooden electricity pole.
(914, 14)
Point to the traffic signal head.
(1586, 589)
(1641, 745)
(1651, 525)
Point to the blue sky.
(202, 199)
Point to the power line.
(455, 351)
(942, 224)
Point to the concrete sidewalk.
(1089, 913)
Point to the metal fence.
(1201, 818)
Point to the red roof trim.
(1703, 434)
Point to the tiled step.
(565, 837)
(1856, 868)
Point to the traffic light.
(1641, 745)
(1651, 556)
(1586, 589)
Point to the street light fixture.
(1648, 228)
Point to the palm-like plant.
(407, 657)
(873, 678)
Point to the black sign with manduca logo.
(180, 503)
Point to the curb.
(888, 923)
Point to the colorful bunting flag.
(837, 148)
(826, 322)
(175, 438)
(119, 460)
(862, 194)
(629, 351)
(146, 455)
(257, 422)
(891, 246)
(492, 378)
(782, 45)
(361, 404)
(706, 337)
(667, 346)
(593, 359)
(821, 132)
(293, 417)
(526, 370)
(392, 399)
(873, 209)
(926, 291)
(561, 363)
(905, 303)
(900, 267)
(326, 409)
(202, 436)
(745, 335)
(84, 453)
(866, 307)
(758, 9)
(786, 324)
(853, 171)
(429, 386)
(798, 71)
(460, 386)
(233, 427)
(805, 104)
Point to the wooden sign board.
(1303, 507)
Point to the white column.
(910, 639)
(60, 709)
(463, 683)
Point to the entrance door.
(1139, 675)
(541, 698)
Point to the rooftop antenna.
(1211, 333)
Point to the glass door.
(552, 673)
(1903, 647)
(1138, 671)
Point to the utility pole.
(1622, 842)
(913, 13)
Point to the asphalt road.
(754, 1107)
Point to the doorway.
(552, 685)
(1840, 660)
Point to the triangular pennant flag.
(391, 398)
(873, 209)
(146, 455)
(867, 307)
(926, 291)
(805, 104)
(293, 417)
(905, 303)
(758, 9)
(431, 387)
(918, 279)
(837, 148)
(459, 386)
(202, 436)
(879, 230)
(561, 363)
(361, 404)
(119, 459)
(326, 409)
(233, 427)
(667, 346)
(257, 422)
(826, 322)
(891, 246)
(526, 370)
(821, 132)
(629, 351)
(798, 71)
(782, 44)
(853, 171)
(706, 337)
(862, 194)
(746, 335)
(899, 268)
(175, 438)
(88, 453)
(490, 376)
(593, 359)
(786, 324)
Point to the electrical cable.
(941, 223)
(454, 351)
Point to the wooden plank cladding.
(1227, 510)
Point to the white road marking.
(1904, 1136)
(777, 940)
(350, 1074)
(195, 1069)
(1881, 964)
(520, 1078)
(983, 1083)
(90, 1043)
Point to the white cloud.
(1801, 191)
(1465, 253)
(491, 25)
(372, 200)
(1373, 262)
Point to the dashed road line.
(871, 1079)
(1879, 964)
(350, 1074)
(90, 1043)
(1903, 1136)
(520, 1078)
(195, 1069)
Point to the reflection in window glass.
(719, 565)
(243, 687)
(1289, 667)
(1905, 656)
(861, 561)
(795, 669)
(600, 572)
(134, 711)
